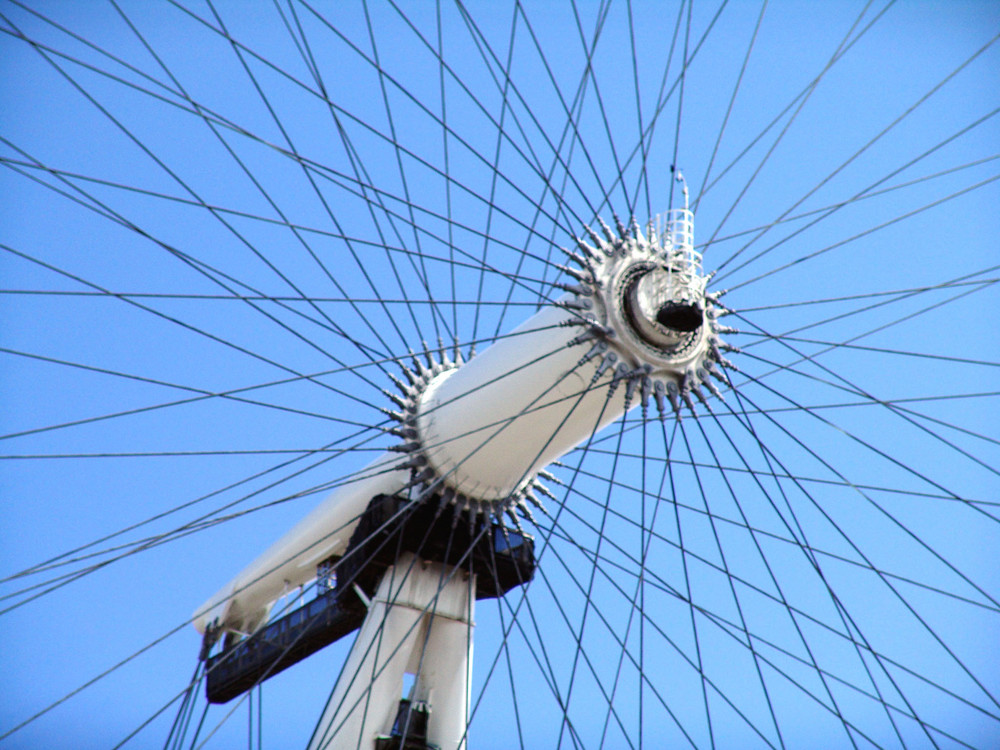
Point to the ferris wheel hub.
(478, 434)
(644, 294)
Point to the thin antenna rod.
(680, 178)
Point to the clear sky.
(222, 222)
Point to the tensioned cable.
(799, 534)
(798, 475)
(875, 349)
(563, 206)
(749, 584)
(204, 395)
(863, 149)
(637, 600)
(200, 267)
(187, 701)
(570, 129)
(850, 387)
(643, 143)
(743, 525)
(248, 174)
(319, 168)
(481, 44)
(183, 506)
(426, 110)
(855, 389)
(309, 177)
(858, 198)
(917, 539)
(503, 88)
(660, 98)
(132, 137)
(566, 723)
(716, 618)
(672, 591)
(299, 158)
(862, 194)
(228, 394)
(261, 298)
(192, 328)
(841, 608)
(473, 262)
(184, 726)
(359, 169)
(492, 61)
(898, 296)
(643, 185)
(600, 101)
(402, 89)
(447, 157)
(872, 401)
(571, 126)
(568, 539)
(729, 108)
(197, 524)
(588, 596)
(745, 309)
(147, 647)
(865, 233)
(664, 98)
(843, 48)
(210, 272)
(422, 275)
(504, 107)
(791, 120)
(503, 424)
(680, 99)
(719, 549)
(802, 543)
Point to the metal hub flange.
(477, 434)
(419, 384)
(644, 296)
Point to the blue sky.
(149, 261)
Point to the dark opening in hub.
(680, 317)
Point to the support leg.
(416, 603)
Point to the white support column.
(444, 680)
(419, 610)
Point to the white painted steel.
(513, 409)
(244, 603)
(419, 622)
(485, 428)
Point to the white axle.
(489, 426)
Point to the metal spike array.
(590, 276)
(425, 482)
(591, 269)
